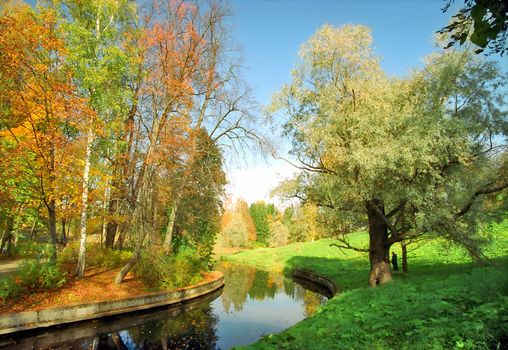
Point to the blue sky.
(270, 33)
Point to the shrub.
(9, 288)
(96, 256)
(160, 271)
(41, 271)
(111, 259)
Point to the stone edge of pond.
(317, 278)
(26, 320)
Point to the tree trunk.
(111, 226)
(121, 236)
(104, 208)
(80, 270)
(64, 236)
(404, 256)
(169, 230)
(379, 248)
(127, 267)
(52, 226)
(117, 340)
(32, 231)
(7, 236)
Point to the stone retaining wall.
(318, 279)
(44, 318)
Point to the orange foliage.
(40, 102)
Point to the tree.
(302, 222)
(279, 234)
(412, 156)
(201, 204)
(41, 109)
(94, 29)
(237, 226)
(483, 22)
(262, 213)
(234, 232)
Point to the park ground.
(445, 301)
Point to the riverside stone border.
(21, 321)
(317, 278)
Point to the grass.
(445, 301)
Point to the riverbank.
(104, 304)
(445, 301)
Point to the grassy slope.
(444, 302)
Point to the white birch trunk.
(80, 270)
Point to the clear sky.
(270, 33)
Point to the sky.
(270, 33)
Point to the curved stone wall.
(53, 316)
(318, 279)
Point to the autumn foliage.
(113, 123)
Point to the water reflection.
(253, 303)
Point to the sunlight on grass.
(445, 301)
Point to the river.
(252, 303)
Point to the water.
(253, 303)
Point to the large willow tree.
(412, 157)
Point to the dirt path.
(8, 266)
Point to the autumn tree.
(237, 226)
(95, 33)
(279, 234)
(221, 103)
(411, 157)
(302, 222)
(41, 109)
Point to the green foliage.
(444, 302)
(9, 288)
(262, 214)
(96, 255)
(197, 218)
(160, 271)
(484, 23)
(418, 149)
(41, 271)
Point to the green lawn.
(445, 301)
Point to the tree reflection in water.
(243, 282)
(253, 303)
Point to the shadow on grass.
(353, 273)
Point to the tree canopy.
(411, 156)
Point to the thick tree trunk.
(168, 239)
(379, 248)
(404, 256)
(80, 270)
(112, 226)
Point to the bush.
(41, 271)
(96, 256)
(160, 271)
(9, 288)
